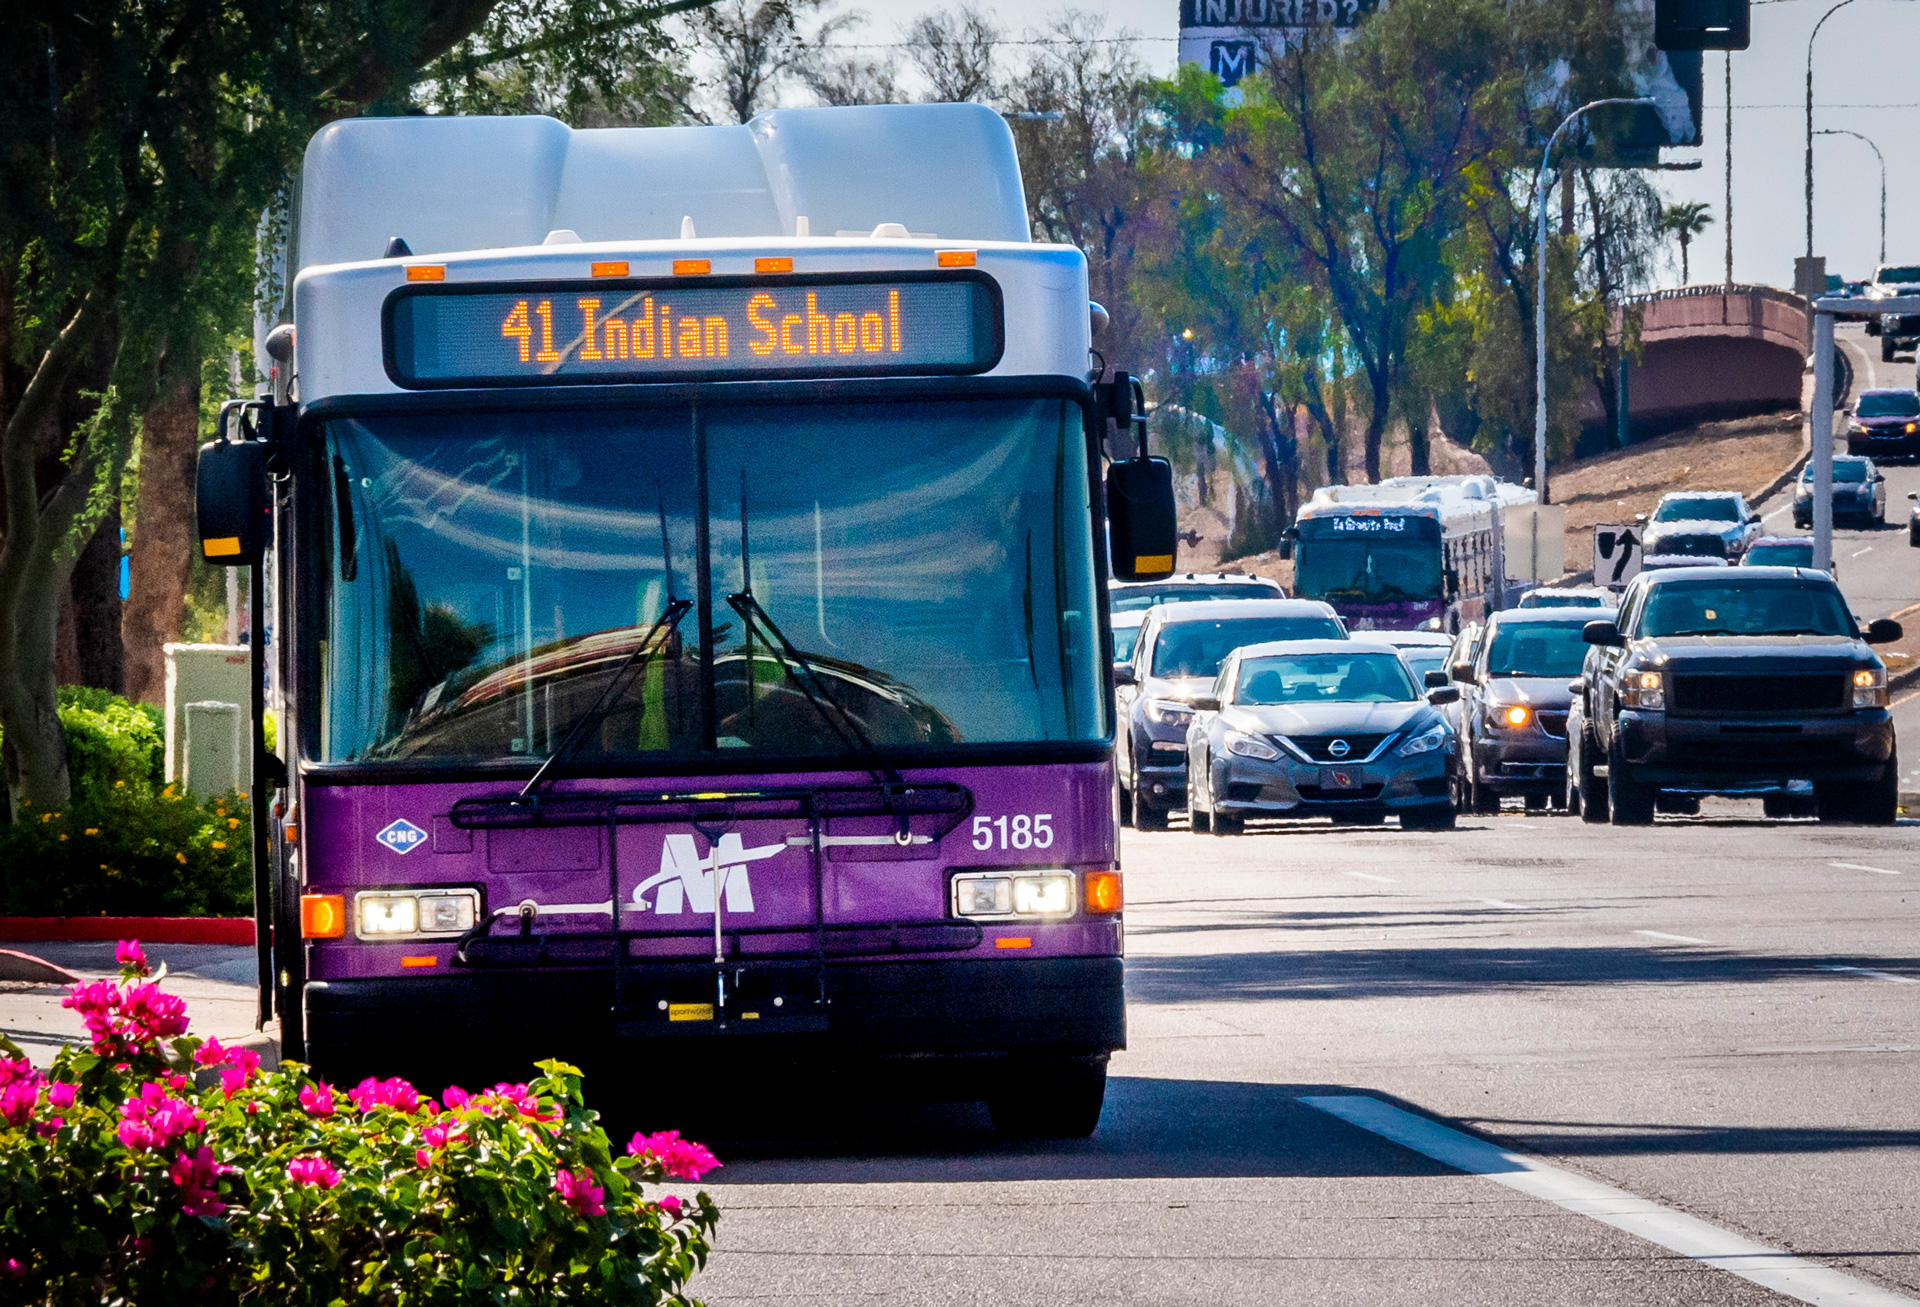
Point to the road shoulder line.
(1675, 1231)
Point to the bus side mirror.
(1142, 524)
(1291, 535)
(231, 505)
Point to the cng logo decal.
(402, 836)
(685, 879)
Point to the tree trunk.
(96, 609)
(163, 540)
(1419, 455)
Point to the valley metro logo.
(685, 879)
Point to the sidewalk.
(216, 980)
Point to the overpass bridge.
(1712, 352)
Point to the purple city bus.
(690, 634)
(1410, 553)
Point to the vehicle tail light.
(1102, 891)
(323, 916)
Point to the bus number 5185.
(1018, 832)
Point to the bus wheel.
(1053, 1099)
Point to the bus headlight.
(1251, 746)
(389, 914)
(1014, 894)
(1644, 690)
(1426, 742)
(1870, 687)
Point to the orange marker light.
(427, 272)
(322, 916)
(1014, 941)
(427, 961)
(691, 267)
(610, 269)
(955, 258)
(1102, 891)
(773, 265)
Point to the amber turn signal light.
(323, 916)
(1102, 890)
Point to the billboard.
(1229, 38)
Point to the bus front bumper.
(944, 1008)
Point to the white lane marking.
(1856, 553)
(1365, 875)
(1678, 939)
(1861, 866)
(1877, 975)
(1775, 513)
(1510, 907)
(1675, 1231)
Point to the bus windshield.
(489, 572)
(1367, 569)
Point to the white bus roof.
(1445, 498)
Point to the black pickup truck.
(1732, 681)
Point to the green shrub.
(111, 739)
(129, 851)
(122, 1182)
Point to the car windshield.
(1698, 508)
(1423, 659)
(1198, 648)
(1889, 404)
(1324, 678)
(1367, 569)
(1124, 638)
(1781, 555)
(1897, 276)
(1845, 472)
(1536, 649)
(1560, 599)
(490, 572)
(1139, 598)
(1755, 607)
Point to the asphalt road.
(1716, 1014)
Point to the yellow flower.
(93, 830)
(63, 837)
(119, 785)
(181, 858)
(218, 844)
(45, 817)
(233, 823)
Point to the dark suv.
(1176, 658)
(1513, 707)
(1735, 681)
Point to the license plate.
(1339, 778)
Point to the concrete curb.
(1786, 478)
(25, 966)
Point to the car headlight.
(1433, 623)
(1172, 712)
(390, 914)
(1644, 690)
(1005, 894)
(1251, 746)
(1870, 687)
(1434, 737)
(1514, 716)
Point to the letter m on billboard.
(1700, 24)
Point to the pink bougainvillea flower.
(153, 1119)
(456, 1097)
(423, 1159)
(60, 1096)
(130, 955)
(178, 1081)
(154, 1014)
(317, 1099)
(395, 1093)
(196, 1173)
(12, 1269)
(669, 1204)
(18, 1101)
(211, 1053)
(16, 1069)
(98, 1006)
(245, 1064)
(313, 1170)
(681, 1158)
(435, 1135)
(50, 1127)
(580, 1193)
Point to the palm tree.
(1685, 221)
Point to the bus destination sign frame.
(627, 330)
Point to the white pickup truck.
(1896, 332)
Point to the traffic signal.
(1701, 24)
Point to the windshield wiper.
(650, 643)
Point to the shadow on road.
(1150, 1128)
(1417, 972)
(1638, 1139)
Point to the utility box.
(1535, 541)
(213, 760)
(200, 676)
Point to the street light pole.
(1541, 188)
(1816, 32)
(1841, 131)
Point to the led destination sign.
(1371, 525)
(615, 331)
